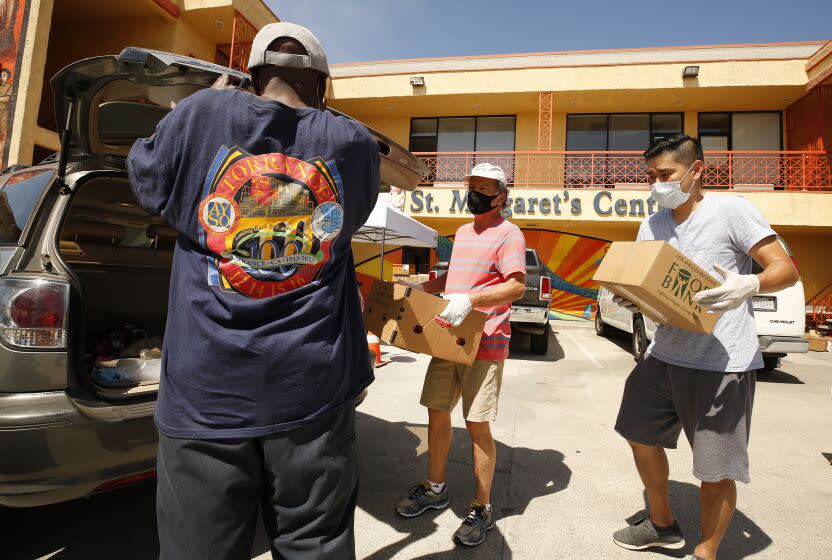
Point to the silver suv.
(84, 277)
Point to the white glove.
(733, 292)
(458, 308)
(626, 304)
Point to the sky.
(362, 30)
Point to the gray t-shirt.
(723, 229)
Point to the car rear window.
(18, 199)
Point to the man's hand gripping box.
(661, 281)
(404, 317)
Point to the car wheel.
(600, 326)
(540, 342)
(639, 338)
(770, 363)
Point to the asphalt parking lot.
(565, 481)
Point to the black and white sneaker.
(643, 534)
(475, 525)
(421, 498)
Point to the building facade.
(569, 129)
(39, 37)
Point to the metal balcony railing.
(746, 170)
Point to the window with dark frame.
(726, 131)
(620, 131)
(463, 134)
(625, 132)
(756, 132)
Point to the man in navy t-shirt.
(264, 349)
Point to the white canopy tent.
(388, 226)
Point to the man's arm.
(435, 286)
(778, 270)
(778, 273)
(509, 291)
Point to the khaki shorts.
(478, 385)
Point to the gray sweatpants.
(305, 481)
(714, 409)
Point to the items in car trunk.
(125, 357)
(127, 371)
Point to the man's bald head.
(309, 85)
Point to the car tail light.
(33, 312)
(545, 287)
(433, 274)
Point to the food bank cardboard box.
(404, 317)
(660, 280)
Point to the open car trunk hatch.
(106, 103)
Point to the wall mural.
(571, 261)
(13, 15)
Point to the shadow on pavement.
(121, 523)
(393, 457)
(520, 349)
(777, 376)
(743, 538)
(623, 340)
(401, 359)
(118, 524)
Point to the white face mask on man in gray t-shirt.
(722, 230)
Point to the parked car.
(79, 257)
(780, 319)
(531, 314)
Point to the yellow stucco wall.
(189, 40)
(739, 74)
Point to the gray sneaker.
(474, 526)
(643, 534)
(421, 498)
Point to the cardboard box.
(401, 270)
(660, 280)
(403, 317)
(820, 343)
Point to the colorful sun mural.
(13, 14)
(571, 261)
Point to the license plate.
(764, 304)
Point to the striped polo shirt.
(485, 259)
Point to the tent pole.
(383, 241)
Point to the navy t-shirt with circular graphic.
(264, 330)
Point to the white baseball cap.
(261, 56)
(489, 171)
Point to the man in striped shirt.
(487, 272)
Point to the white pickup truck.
(780, 318)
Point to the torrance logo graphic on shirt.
(271, 219)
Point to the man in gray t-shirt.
(702, 384)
